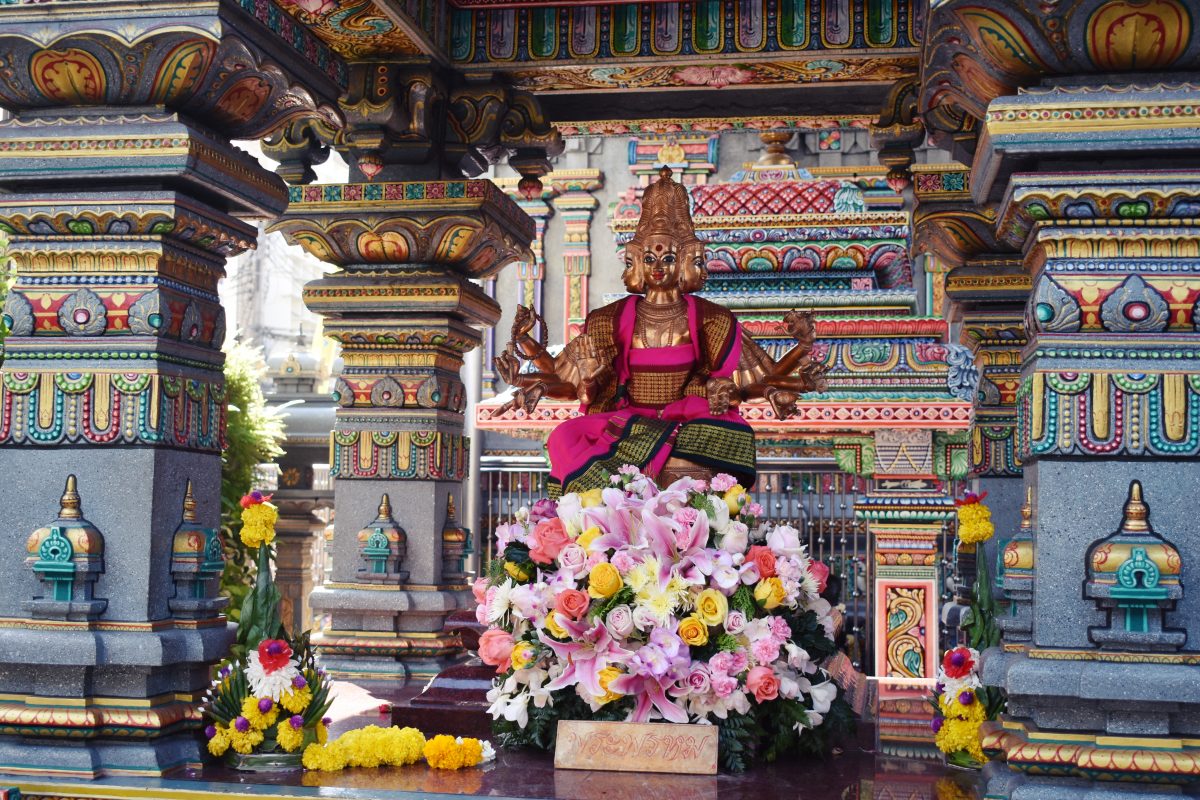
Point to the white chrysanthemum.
(269, 684)
(489, 752)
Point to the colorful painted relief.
(398, 455)
(706, 125)
(111, 408)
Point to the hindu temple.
(392, 263)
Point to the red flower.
(970, 498)
(254, 498)
(273, 654)
(957, 663)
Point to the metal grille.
(820, 504)
(507, 484)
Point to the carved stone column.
(123, 197)
(404, 308)
(575, 203)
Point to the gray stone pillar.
(123, 197)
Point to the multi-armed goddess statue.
(659, 374)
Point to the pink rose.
(495, 648)
(479, 589)
(619, 621)
(572, 603)
(820, 572)
(572, 558)
(735, 621)
(548, 540)
(763, 683)
(699, 680)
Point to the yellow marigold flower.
(259, 719)
(957, 734)
(693, 631)
(296, 700)
(604, 581)
(606, 677)
(587, 537)
(322, 733)
(518, 573)
(447, 752)
(770, 593)
(712, 607)
(953, 707)
(219, 743)
(523, 654)
(245, 742)
(556, 630)
(289, 738)
(258, 524)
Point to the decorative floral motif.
(83, 314)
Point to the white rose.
(619, 621)
(736, 538)
(718, 520)
(784, 540)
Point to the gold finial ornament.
(775, 150)
(70, 503)
(385, 506)
(189, 504)
(1027, 510)
(1136, 512)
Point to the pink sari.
(584, 450)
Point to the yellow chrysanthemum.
(957, 734)
(289, 738)
(296, 700)
(447, 752)
(219, 743)
(259, 720)
(245, 742)
(258, 524)
(953, 708)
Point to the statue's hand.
(525, 399)
(801, 326)
(814, 374)
(508, 366)
(721, 394)
(523, 322)
(783, 402)
(592, 365)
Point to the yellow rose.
(558, 631)
(604, 581)
(735, 498)
(607, 676)
(770, 593)
(519, 573)
(712, 607)
(523, 655)
(587, 537)
(693, 631)
(591, 498)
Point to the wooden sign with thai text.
(637, 747)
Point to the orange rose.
(495, 648)
(764, 559)
(572, 603)
(549, 538)
(763, 683)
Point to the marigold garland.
(373, 746)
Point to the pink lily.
(591, 649)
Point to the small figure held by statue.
(660, 374)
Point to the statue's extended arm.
(781, 382)
(574, 375)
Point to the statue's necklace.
(661, 325)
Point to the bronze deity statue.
(658, 374)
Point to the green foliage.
(980, 623)
(7, 275)
(260, 617)
(625, 596)
(737, 740)
(743, 601)
(254, 433)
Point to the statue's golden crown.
(665, 211)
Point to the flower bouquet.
(269, 699)
(961, 705)
(637, 604)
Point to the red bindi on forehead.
(658, 247)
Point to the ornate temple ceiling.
(703, 57)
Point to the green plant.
(7, 274)
(254, 433)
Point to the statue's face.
(660, 262)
